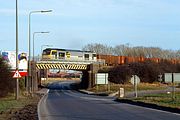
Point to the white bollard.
(121, 92)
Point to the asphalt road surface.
(63, 103)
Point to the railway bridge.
(88, 68)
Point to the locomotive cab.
(49, 54)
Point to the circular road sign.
(135, 79)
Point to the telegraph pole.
(17, 79)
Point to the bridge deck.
(65, 62)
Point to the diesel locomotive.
(69, 55)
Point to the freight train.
(110, 60)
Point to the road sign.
(169, 79)
(102, 78)
(135, 79)
(16, 74)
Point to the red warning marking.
(16, 74)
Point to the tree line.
(148, 71)
(137, 51)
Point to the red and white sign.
(16, 74)
(22, 73)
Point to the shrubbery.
(147, 71)
(7, 83)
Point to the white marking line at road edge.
(91, 98)
(72, 94)
(39, 117)
(47, 91)
(87, 98)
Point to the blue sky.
(76, 23)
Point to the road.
(67, 104)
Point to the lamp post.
(17, 66)
(45, 46)
(34, 82)
(42, 49)
(29, 44)
(34, 39)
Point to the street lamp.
(45, 46)
(34, 39)
(42, 49)
(29, 42)
(17, 65)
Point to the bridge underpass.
(88, 71)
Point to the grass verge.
(128, 87)
(9, 106)
(161, 100)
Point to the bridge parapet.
(66, 61)
(65, 66)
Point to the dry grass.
(128, 87)
(162, 99)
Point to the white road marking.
(73, 94)
(43, 99)
(97, 99)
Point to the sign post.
(173, 88)
(135, 80)
(102, 79)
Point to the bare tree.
(138, 51)
(99, 48)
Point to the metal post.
(135, 86)
(29, 46)
(29, 56)
(33, 44)
(34, 40)
(17, 80)
(173, 88)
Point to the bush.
(120, 74)
(22, 83)
(7, 83)
(147, 71)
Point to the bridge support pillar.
(92, 72)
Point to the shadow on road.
(64, 85)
